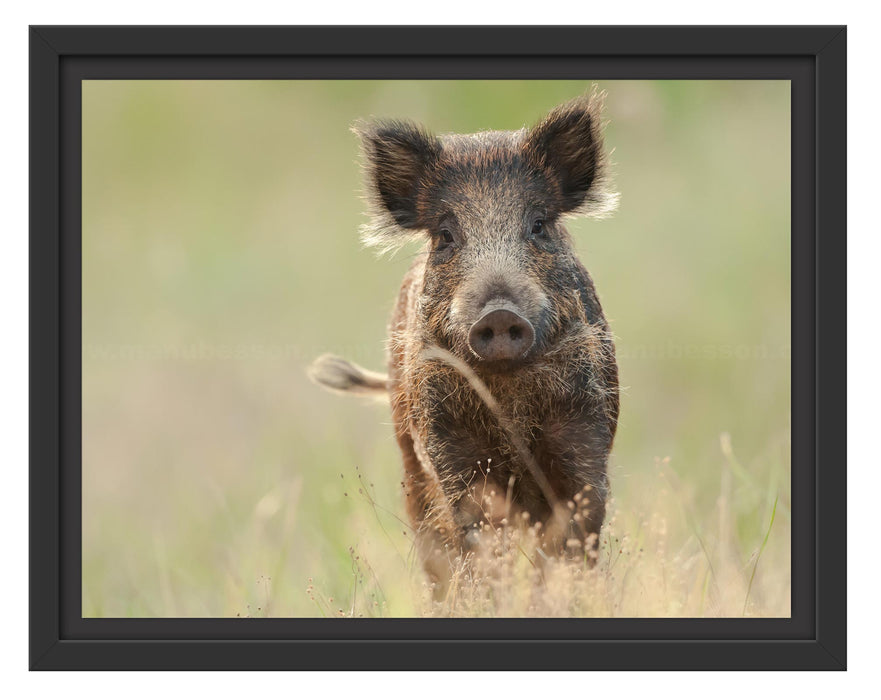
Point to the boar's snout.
(501, 334)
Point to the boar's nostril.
(501, 334)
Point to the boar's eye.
(444, 242)
(445, 239)
(538, 228)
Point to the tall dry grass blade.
(759, 556)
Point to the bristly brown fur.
(397, 155)
(394, 178)
(484, 442)
(588, 188)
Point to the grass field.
(221, 255)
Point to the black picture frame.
(813, 58)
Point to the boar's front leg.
(573, 454)
(464, 465)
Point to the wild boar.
(502, 376)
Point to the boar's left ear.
(398, 158)
(568, 147)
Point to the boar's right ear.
(398, 158)
(567, 146)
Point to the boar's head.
(501, 278)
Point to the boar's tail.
(337, 374)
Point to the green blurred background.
(221, 254)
